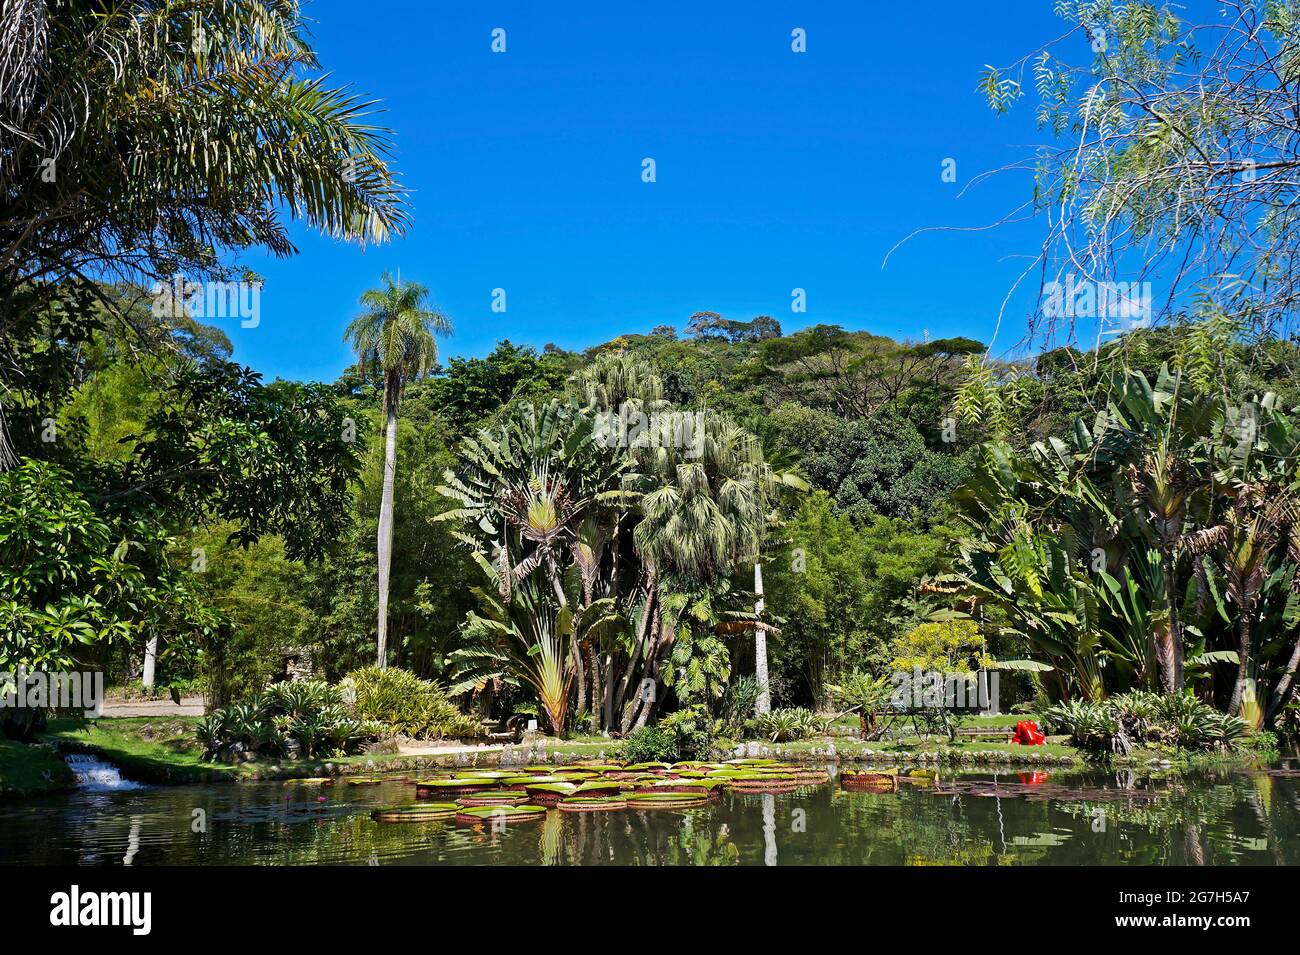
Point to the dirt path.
(439, 749)
(189, 706)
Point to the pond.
(1060, 817)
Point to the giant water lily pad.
(688, 786)
(428, 787)
(666, 800)
(420, 812)
(871, 782)
(493, 797)
(509, 814)
(534, 780)
(599, 787)
(591, 803)
(548, 794)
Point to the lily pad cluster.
(476, 796)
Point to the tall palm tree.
(397, 329)
(704, 509)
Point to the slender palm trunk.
(579, 673)
(649, 701)
(385, 543)
(1243, 656)
(1286, 685)
(607, 717)
(1175, 675)
(1162, 639)
(597, 691)
(620, 697)
(764, 702)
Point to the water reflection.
(1213, 818)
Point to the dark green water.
(1210, 818)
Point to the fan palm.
(704, 509)
(398, 330)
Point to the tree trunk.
(646, 702)
(657, 649)
(597, 691)
(1286, 685)
(579, 673)
(764, 702)
(385, 543)
(1243, 658)
(620, 697)
(607, 718)
(1176, 677)
(1162, 639)
(150, 660)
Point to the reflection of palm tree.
(769, 829)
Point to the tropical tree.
(613, 495)
(1160, 541)
(398, 330)
(705, 505)
(1170, 157)
(141, 137)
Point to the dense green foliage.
(306, 719)
(1116, 725)
(573, 535)
(401, 702)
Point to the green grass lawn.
(147, 749)
(26, 769)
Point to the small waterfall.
(95, 775)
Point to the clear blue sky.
(775, 170)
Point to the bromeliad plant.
(306, 719)
(1116, 725)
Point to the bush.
(737, 703)
(305, 718)
(1178, 720)
(786, 725)
(686, 734)
(405, 704)
(650, 744)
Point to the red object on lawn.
(1027, 734)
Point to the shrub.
(403, 703)
(1178, 720)
(737, 703)
(305, 718)
(1090, 726)
(686, 734)
(869, 696)
(785, 725)
(650, 744)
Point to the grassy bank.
(28, 769)
(145, 749)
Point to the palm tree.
(704, 509)
(397, 330)
(140, 139)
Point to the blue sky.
(775, 170)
